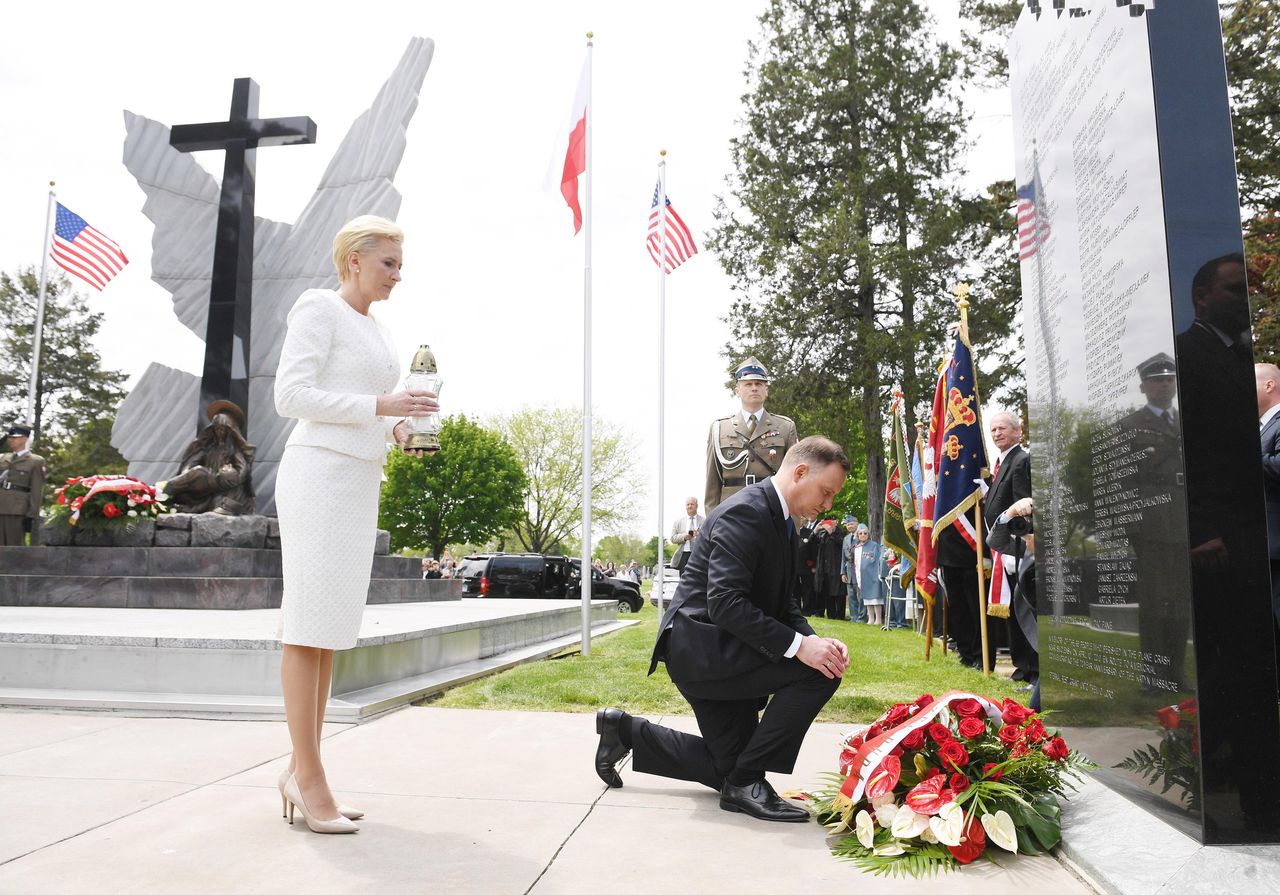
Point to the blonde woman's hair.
(359, 235)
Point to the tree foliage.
(76, 398)
(548, 444)
(468, 492)
(843, 230)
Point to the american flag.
(83, 251)
(680, 244)
(1033, 227)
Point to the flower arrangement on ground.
(934, 783)
(106, 501)
(1176, 761)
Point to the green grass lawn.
(885, 667)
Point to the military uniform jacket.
(734, 461)
(21, 484)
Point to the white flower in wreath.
(948, 826)
(1000, 830)
(886, 813)
(927, 836)
(889, 849)
(865, 829)
(909, 825)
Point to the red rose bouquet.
(1176, 761)
(934, 783)
(106, 501)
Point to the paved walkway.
(458, 802)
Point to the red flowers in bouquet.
(943, 779)
(98, 501)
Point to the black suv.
(541, 577)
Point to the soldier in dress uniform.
(749, 446)
(21, 487)
(1154, 438)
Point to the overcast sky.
(493, 273)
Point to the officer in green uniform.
(749, 446)
(21, 484)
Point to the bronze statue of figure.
(215, 474)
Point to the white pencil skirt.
(328, 508)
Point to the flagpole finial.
(662, 152)
(590, 35)
(961, 292)
(52, 183)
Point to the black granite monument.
(1158, 642)
(226, 352)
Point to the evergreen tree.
(843, 231)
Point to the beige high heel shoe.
(345, 810)
(293, 797)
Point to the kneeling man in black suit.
(732, 638)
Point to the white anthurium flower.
(133, 512)
(889, 849)
(1000, 830)
(886, 799)
(909, 825)
(865, 829)
(948, 826)
(887, 813)
(131, 502)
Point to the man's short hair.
(1208, 272)
(1015, 421)
(816, 451)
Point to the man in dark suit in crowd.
(959, 564)
(1010, 482)
(734, 637)
(1268, 382)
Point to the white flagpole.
(35, 341)
(662, 372)
(586, 382)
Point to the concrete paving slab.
(219, 839)
(44, 810)
(461, 753)
(27, 730)
(179, 750)
(708, 850)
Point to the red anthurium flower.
(62, 499)
(846, 761)
(972, 728)
(926, 796)
(973, 844)
(884, 778)
(939, 733)
(968, 708)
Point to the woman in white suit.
(337, 375)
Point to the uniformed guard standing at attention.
(21, 486)
(749, 446)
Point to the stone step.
(195, 592)
(227, 664)
(196, 562)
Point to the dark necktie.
(751, 425)
(791, 528)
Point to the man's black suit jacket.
(1271, 481)
(734, 610)
(1011, 485)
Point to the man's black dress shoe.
(610, 751)
(1018, 675)
(760, 801)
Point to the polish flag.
(569, 160)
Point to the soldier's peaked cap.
(1157, 365)
(750, 369)
(19, 429)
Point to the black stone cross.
(226, 343)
